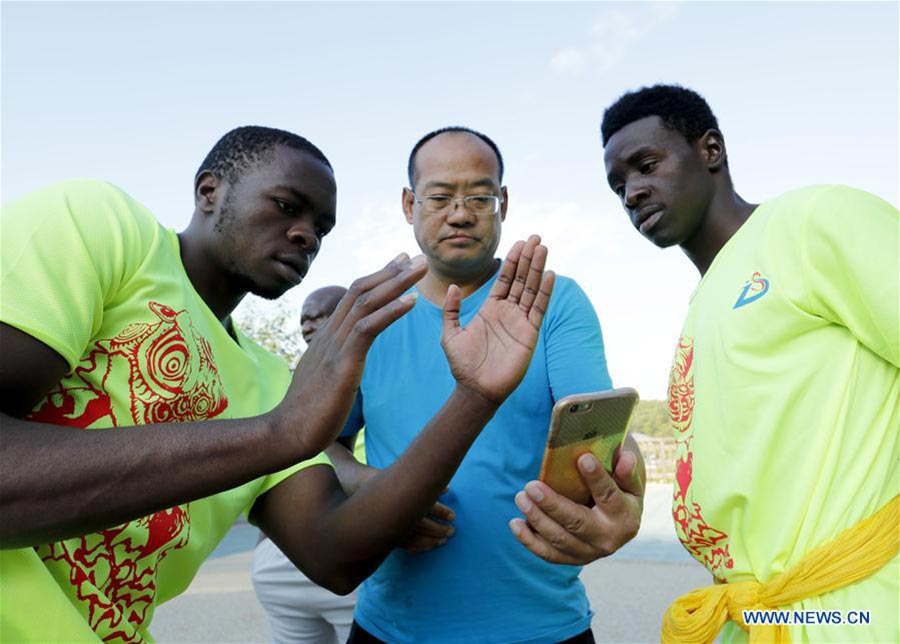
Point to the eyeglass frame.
(453, 202)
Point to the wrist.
(281, 437)
(474, 400)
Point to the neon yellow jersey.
(92, 274)
(359, 449)
(785, 398)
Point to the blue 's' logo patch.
(754, 288)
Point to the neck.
(216, 291)
(436, 282)
(727, 212)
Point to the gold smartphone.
(582, 423)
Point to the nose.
(303, 235)
(459, 215)
(308, 329)
(635, 193)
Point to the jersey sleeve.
(576, 362)
(850, 244)
(272, 480)
(66, 251)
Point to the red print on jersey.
(171, 376)
(706, 544)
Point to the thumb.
(451, 312)
(604, 488)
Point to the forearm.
(57, 482)
(378, 517)
(346, 467)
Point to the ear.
(408, 202)
(712, 147)
(505, 196)
(205, 188)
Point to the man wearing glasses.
(472, 582)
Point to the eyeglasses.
(479, 205)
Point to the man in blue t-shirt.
(470, 581)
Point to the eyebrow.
(299, 196)
(632, 159)
(488, 183)
(306, 202)
(641, 151)
(438, 184)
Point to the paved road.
(629, 591)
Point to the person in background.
(298, 609)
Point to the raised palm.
(491, 354)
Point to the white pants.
(298, 609)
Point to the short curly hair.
(680, 109)
(246, 146)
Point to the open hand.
(327, 377)
(562, 531)
(491, 354)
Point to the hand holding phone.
(582, 423)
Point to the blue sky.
(136, 93)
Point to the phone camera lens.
(573, 409)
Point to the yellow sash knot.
(857, 552)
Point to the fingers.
(366, 283)
(556, 519)
(428, 534)
(433, 529)
(615, 506)
(563, 531)
(367, 329)
(416, 543)
(542, 300)
(442, 512)
(451, 312)
(539, 545)
(522, 279)
(604, 490)
(625, 473)
(372, 295)
(523, 269)
(504, 280)
(532, 281)
(374, 310)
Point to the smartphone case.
(580, 424)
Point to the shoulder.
(830, 210)
(821, 200)
(570, 312)
(567, 295)
(92, 207)
(79, 194)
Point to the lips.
(647, 217)
(293, 267)
(458, 237)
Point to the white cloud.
(568, 61)
(611, 37)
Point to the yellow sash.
(856, 553)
